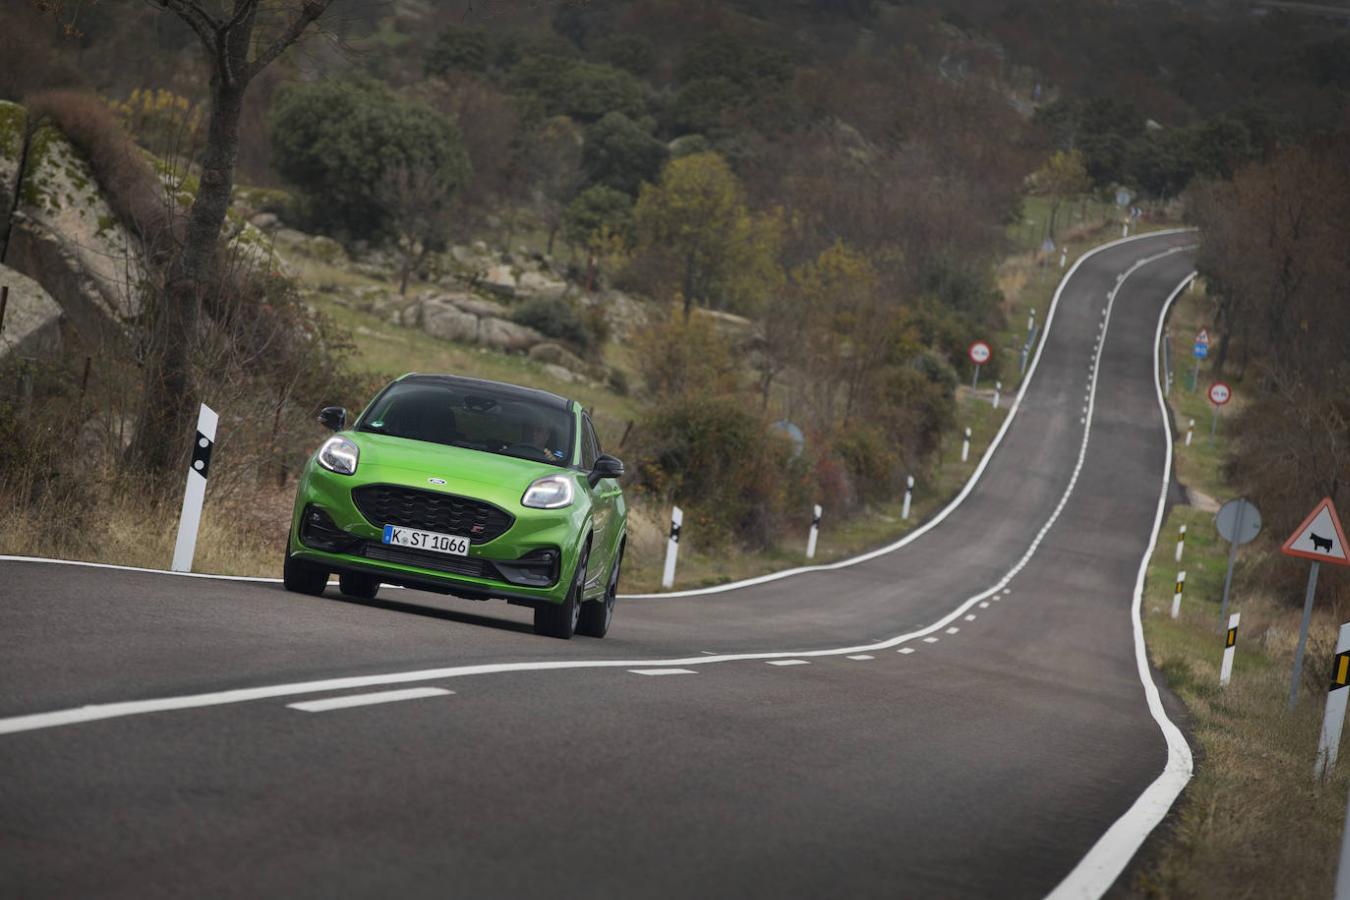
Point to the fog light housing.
(538, 568)
(320, 532)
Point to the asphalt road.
(985, 762)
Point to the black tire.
(560, 620)
(358, 585)
(303, 577)
(596, 615)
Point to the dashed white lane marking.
(953, 630)
(350, 700)
(970, 618)
(861, 656)
(1007, 591)
(984, 605)
(931, 640)
(708, 652)
(663, 671)
(905, 650)
(789, 662)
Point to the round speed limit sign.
(980, 353)
(1219, 393)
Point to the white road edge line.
(861, 656)
(789, 662)
(350, 700)
(824, 567)
(1099, 869)
(97, 712)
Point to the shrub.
(562, 319)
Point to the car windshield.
(476, 417)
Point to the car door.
(603, 494)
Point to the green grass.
(1252, 823)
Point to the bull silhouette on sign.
(1319, 542)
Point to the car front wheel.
(302, 577)
(560, 620)
(355, 584)
(598, 614)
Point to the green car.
(466, 487)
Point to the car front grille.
(456, 565)
(386, 504)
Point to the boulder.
(443, 319)
(265, 221)
(501, 334)
(499, 279)
(537, 284)
(561, 374)
(325, 249)
(549, 353)
(13, 119)
(32, 319)
(65, 236)
(478, 306)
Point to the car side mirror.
(606, 466)
(334, 418)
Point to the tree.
(458, 49)
(599, 220)
(697, 222)
(335, 140)
(236, 46)
(1062, 177)
(416, 200)
(549, 161)
(620, 154)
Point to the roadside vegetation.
(1253, 822)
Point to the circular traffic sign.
(980, 353)
(1220, 393)
(1238, 521)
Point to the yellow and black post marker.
(1176, 595)
(1181, 542)
(1229, 648)
(1337, 696)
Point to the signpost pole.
(1232, 557)
(1303, 634)
(975, 382)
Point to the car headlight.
(549, 492)
(339, 455)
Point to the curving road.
(962, 716)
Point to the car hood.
(490, 476)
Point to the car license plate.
(426, 540)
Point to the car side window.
(590, 445)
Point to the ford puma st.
(466, 487)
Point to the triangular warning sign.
(1319, 537)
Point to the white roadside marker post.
(1181, 542)
(672, 547)
(965, 447)
(1031, 323)
(909, 495)
(1176, 595)
(190, 519)
(1334, 718)
(1229, 648)
(1190, 432)
(1125, 229)
(1063, 257)
(815, 528)
(998, 392)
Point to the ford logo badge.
(436, 480)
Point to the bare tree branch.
(310, 10)
(197, 18)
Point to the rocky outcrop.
(65, 236)
(471, 320)
(32, 320)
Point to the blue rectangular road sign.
(1201, 351)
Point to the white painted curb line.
(1099, 869)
